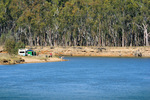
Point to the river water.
(80, 78)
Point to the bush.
(19, 45)
(12, 47)
(2, 39)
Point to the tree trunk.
(146, 42)
(75, 42)
(115, 40)
(30, 37)
(38, 41)
(131, 35)
(100, 44)
(50, 37)
(45, 43)
(103, 41)
(122, 37)
(135, 39)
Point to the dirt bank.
(75, 51)
(95, 51)
(36, 59)
(6, 59)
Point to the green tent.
(31, 52)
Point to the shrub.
(2, 39)
(12, 47)
(19, 45)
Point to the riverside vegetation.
(76, 22)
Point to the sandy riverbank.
(37, 60)
(77, 51)
(33, 60)
(6, 59)
(96, 51)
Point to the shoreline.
(60, 60)
(35, 62)
(79, 51)
(8, 60)
(32, 60)
(96, 51)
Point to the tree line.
(76, 22)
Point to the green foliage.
(2, 39)
(19, 45)
(12, 47)
(75, 22)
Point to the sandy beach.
(33, 60)
(37, 60)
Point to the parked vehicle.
(26, 52)
(22, 52)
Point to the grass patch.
(10, 59)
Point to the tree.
(76, 22)
(143, 20)
(12, 47)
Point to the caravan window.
(21, 51)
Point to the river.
(80, 78)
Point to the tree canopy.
(76, 22)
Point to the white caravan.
(22, 52)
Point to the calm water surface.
(78, 79)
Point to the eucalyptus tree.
(48, 17)
(65, 18)
(4, 16)
(25, 20)
(76, 22)
(143, 20)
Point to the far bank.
(91, 51)
(95, 51)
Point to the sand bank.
(37, 60)
(79, 51)
(96, 51)
(6, 59)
